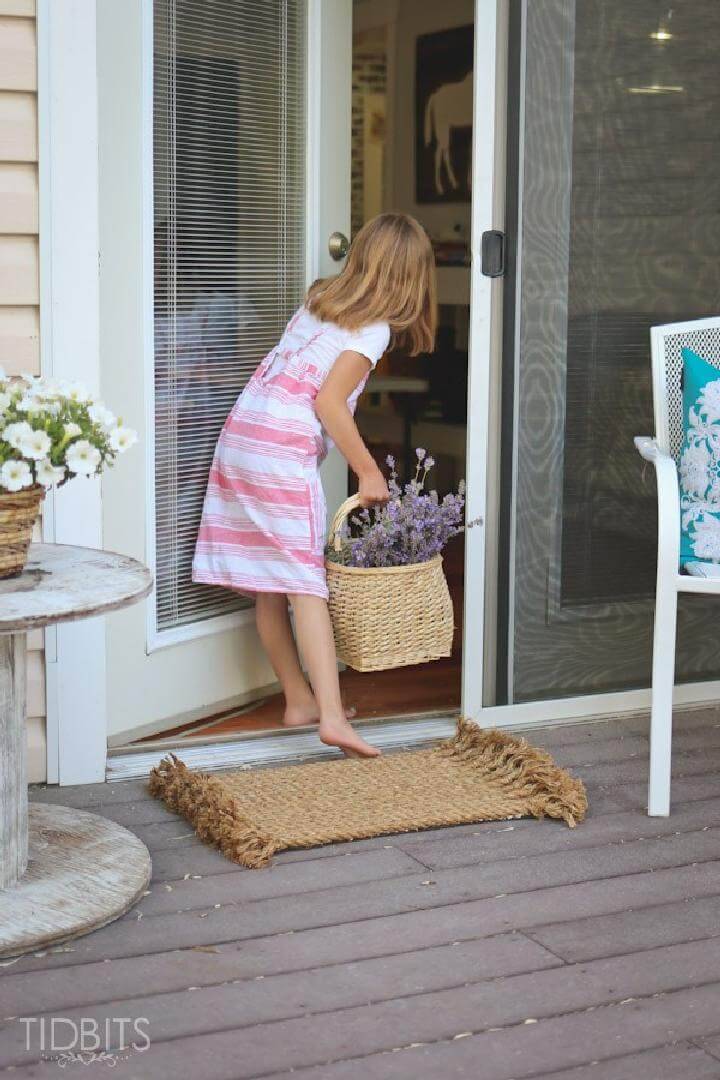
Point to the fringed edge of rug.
(215, 815)
(508, 761)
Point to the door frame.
(77, 752)
(485, 367)
(69, 336)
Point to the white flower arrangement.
(51, 431)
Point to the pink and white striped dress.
(263, 521)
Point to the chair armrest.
(668, 503)
(646, 446)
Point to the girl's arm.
(332, 410)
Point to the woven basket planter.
(18, 513)
(388, 617)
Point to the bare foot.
(300, 715)
(339, 733)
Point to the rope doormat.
(476, 776)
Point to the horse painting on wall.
(443, 111)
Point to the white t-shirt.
(313, 347)
(371, 341)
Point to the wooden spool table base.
(83, 872)
(63, 872)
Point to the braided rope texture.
(478, 775)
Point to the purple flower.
(414, 526)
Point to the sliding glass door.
(614, 222)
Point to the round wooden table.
(63, 872)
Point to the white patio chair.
(703, 336)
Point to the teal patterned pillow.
(700, 461)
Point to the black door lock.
(493, 253)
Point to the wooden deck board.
(421, 997)
(334, 961)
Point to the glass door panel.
(615, 124)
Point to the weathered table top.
(62, 582)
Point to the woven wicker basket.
(18, 513)
(387, 617)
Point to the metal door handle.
(494, 253)
(338, 245)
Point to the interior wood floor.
(487, 952)
(407, 691)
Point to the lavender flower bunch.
(413, 527)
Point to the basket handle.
(344, 510)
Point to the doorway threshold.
(275, 747)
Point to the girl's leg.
(317, 645)
(273, 626)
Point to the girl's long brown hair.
(389, 277)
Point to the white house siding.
(19, 285)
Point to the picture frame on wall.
(443, 115)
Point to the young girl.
(263, 524)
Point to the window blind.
(229, 245)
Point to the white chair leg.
(663, 681)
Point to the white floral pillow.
(700, 461)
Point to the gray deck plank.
(516, 839)
(241, 885)
(430, 889)
(286, 879)
(72, 987)
(711, 1046)
(91, 797)
(296, 947)
(437, 887)
(613, 774)
(392, 1002)
(685, 789)
(628, 931)
(245, 1003)
(680, 1061)
(518, 1051)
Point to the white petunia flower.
(15, 475)
(52, 388)
(100, 415)
(82, 457)
(29, 404)
(36, 445)
(15, 433)
(48, 474)
(73, 430)
(78, 392)
(4, 401)
(122, 438)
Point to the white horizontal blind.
(229, 219)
